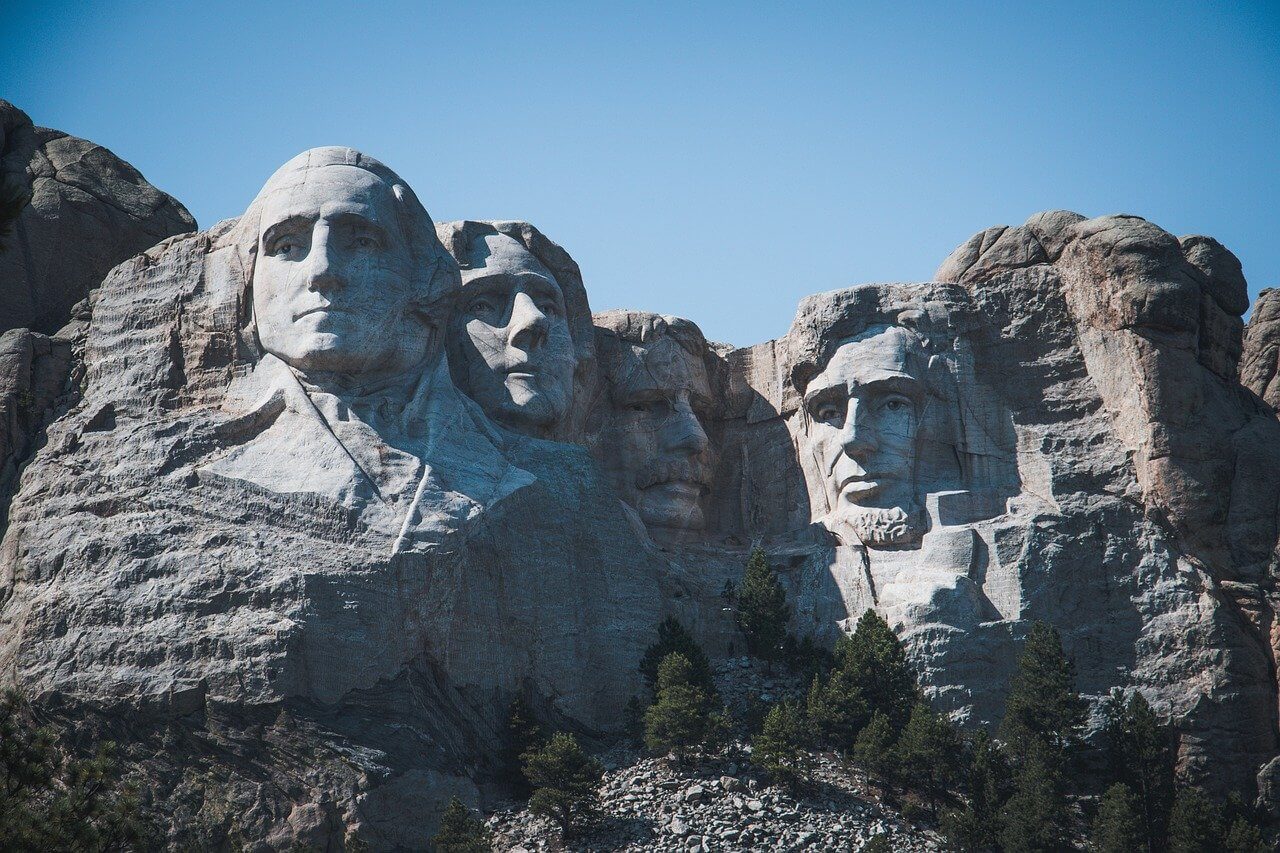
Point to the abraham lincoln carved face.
(862, 413)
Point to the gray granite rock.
(270, 518)
(88, 210)
(1260, 364)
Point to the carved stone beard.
(878, 527)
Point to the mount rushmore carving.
(351, 479)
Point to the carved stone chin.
(875, 527)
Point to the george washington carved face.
(337, 291)
(862, 413)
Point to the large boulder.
(86, 210)
(1260, 364)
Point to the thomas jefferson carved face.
(513, 342)
(333, 280)
(662, 460)
(862, 413)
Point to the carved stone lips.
(326, 308)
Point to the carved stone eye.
(828, 412)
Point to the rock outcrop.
(86, 210)
(333, 485)
(1260, 364)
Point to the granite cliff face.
(1260, 364)
(333, 483)
(86, 210)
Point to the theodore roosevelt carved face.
(862, 413)
(337, 290)
(660, 399)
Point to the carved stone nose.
(684, 430)
(528, 326)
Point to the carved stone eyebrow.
(286, 225)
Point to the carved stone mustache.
(675, 471)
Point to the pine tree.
(1043, 712)
(51, 799)
(1195, 823)
(1140, 754)
(681, 717)
(564, 780)
(928, 754)
(763, 612)
(674, 637)
(633, 721)
(1118, 827)
(876, 659)
(460, 832)
(1034, 819)
(871, 673)
(778, 748)
(1244, 837)
(873, 749)
(522, 734)
(976, 827)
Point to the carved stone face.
(663, 461)
(863, 411)
(513, 341)
(333, 283)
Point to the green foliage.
(929, 754)
(564, 780)
(805, 657)
(1043, 713)
(1118, 827)
(1035, 818)
(873, 749)
(633, 721)
(522, 734)
(681, 717)
(763, 612)
(878, 844)
(461, 832)
(673, 637)
(985, 778)
(778, 748)
(52, 800)
(871, 674)
(1244, 837)
(1140, 754)
(1195, 823)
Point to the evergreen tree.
(928, 754)
(1195, 823)
(51, 799)
(976, 827)
(1245, 837)
(1140, 754)
(633, 721)
(1118, 827)
(681, 717)
(1043, 712)
(873, 750)
(522, 734)
(460, 832)
(674, 637)
(564, 780)
(1034, 819)
(871, 673)
(778, 748)
(763, 612)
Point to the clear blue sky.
(713, 160)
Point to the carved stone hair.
(437, 274)
(641, 328)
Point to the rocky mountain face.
(1260, 364)
(86, 210)
(331, 484)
